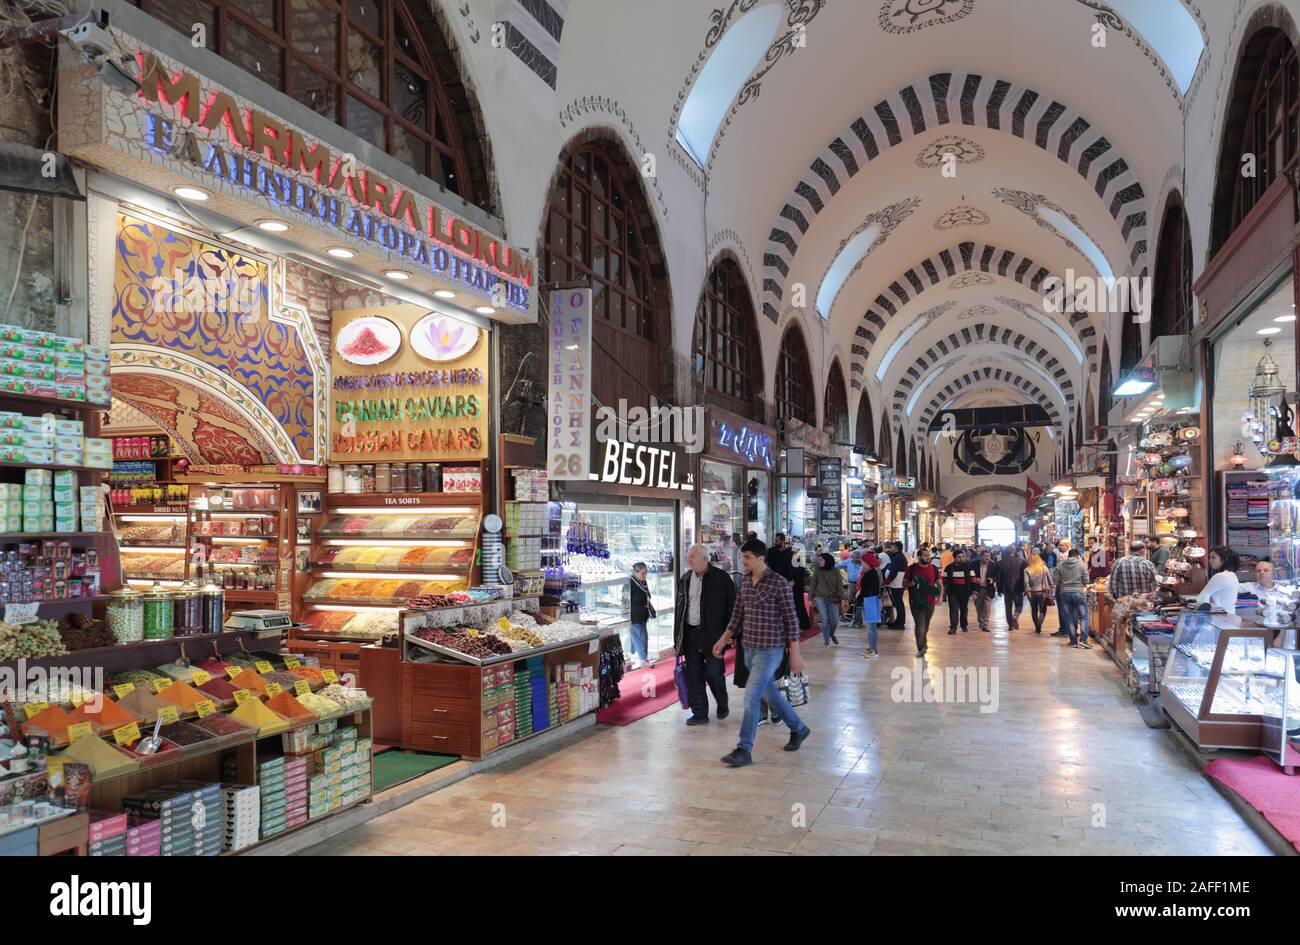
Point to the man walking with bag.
(706, 596)
(764, 618)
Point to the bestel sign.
(182, 123)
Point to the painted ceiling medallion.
(963, 150)
(977, 311)
(968, 279)
(961, 216)
(909, 16)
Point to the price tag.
(301, 688)
(200, 677)
(242, 696)
(274, 689)
(291, 662)
(78, 699)
(127, 734)
(329, 675)
(34, 709)
(79, 730)
(169, 715)
(264, 667)
(19, 614)
(205, 708)
(124, 690)
(233, 671)
(160, 684)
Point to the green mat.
(392, 768)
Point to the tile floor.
(1064, 765)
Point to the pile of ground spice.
(182, 695)
(103, 759)
(293, 710)
(215, 667)
(257, 716)
(52, 721)
(250, 680)
(144, 704)
(319, 706)
(104, 714)
(365, 343)
(312, 674)
(284, 677)
(219, 689)
(219, 724)
(185, 733)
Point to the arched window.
(835, 405)
(794, 384)
(1263, 115)
(726, 359)
(1171, 308)
(599, 230)
(1130, 348)
(864, 431)
(934, 474)
(900, 460)
(370, 66)
(886, 441)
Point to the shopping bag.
(795, 688)
(679, 679)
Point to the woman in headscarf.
(867, 600)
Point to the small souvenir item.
(1160, 439)
(1181, 461)
(1195, 552)
(1189, 433)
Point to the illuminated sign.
(568, 397)
(640, 464)
(750, 445)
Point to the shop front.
(736, 477)
(798, 493)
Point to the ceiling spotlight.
(401, 275)
(486, 310)
(1285, 318)
(272, 226)
(191, 193)
(444, 293)
(1268, 331)
(340, 252)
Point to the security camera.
(93, 41)
(118, 78)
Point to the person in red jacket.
(923, 584)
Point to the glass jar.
(334, 480)
(186, 614)
(415, 477)
(367, 477)
(157, 613)
(383, 477)
(214, 606)
(125, 615)
(399, 477)
(352, 478)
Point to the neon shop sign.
(749, 445)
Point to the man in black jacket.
(1010, 584)
(705, 598)
(893, 579)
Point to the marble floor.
(1038, 751)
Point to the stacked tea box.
(49, 503)
(295, 792)
(144, 839)
(11, 507)
(243, 807)
(91, 514)
(98, 387)
(44, 364)
(354, 756)
(48, 439)
(38, 501)
(106, 835)
(189, 815)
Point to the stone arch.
(986, 377)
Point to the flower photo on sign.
(439, 338)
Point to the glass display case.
(722, 513)
(1219, 683)
(598, 549)
(1283, 521)
(1281, 730)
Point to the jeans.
(855, 614)
(640, 642)
(873, 638)
(1038, 609)
(762, 687)
(703, 669)
(958, 601)
(828, 612)
(1072, 608)
(921, 614)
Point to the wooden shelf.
(122, 656)
(267, 596)
(57, 608)
(352, 569)
(94, 470)
(150, 510)
(36, 536)
(401, 500)
(51, 403)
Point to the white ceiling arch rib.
(943, 268)
(985, 379)
(1020, 370)
(949, 98)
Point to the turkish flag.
(1032, 491)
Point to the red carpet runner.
(1264, 786)
(649, 690)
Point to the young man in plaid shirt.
(764, 618)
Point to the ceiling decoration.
(961, 216)
(1032, 206)
(884, 221)
(955, 98)
(961, 150)
(976, 311)
(1111, 19)
(985, 378)
(1083, 331)
(932, 271)
(970, 279)
(909, 16)
(994, 451)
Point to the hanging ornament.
(1164, 438)
(1187, 434)
(1181, 461)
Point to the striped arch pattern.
(946, 264)
(977, 335)
(952, 98)
(971, 379)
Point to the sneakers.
(1085, 644)
(984, 629)
(776, 720)
(1073, 645)
(698, 720)
(870, 655)
(762, 721)
(1061, 633)
(737, 758)
(797, 739)
(835, 639)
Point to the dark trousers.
(702, 668)
(921, 614)
(1038, 609)
(896, 595)
(1009, 604)
(958, 604)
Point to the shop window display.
(723, 513)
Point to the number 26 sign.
(568, 451)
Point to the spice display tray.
(504, 657)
